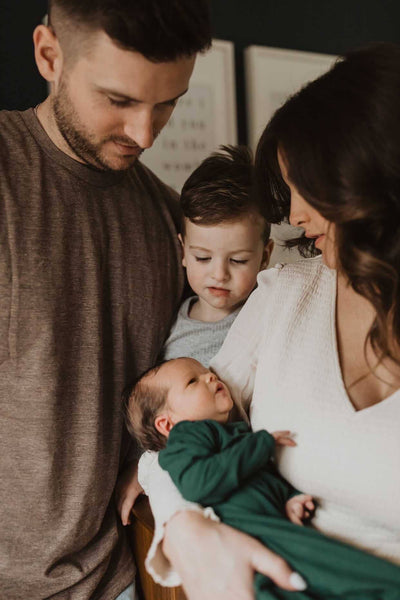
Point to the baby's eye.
(236, 261)
(202, 258)
(193, 380)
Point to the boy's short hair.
(141, 403)
(161, 31)
(221, 190)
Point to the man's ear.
(269, 246)
(48, 53)
(163, 423)
(180, 238)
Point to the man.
(89, 281)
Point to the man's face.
(111, 104)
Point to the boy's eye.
(202, 258)
(236, 261)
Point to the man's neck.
(45, 115)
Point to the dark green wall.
(315, 25)
(331, 27)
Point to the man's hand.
(217, 562)
(283, 438)
(127, 490)
(299, 508)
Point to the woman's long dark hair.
(340, 138)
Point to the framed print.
(203, 119)
(273, 74)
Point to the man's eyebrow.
(131, 99)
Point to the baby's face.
(194, 392)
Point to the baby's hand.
(282, 438)
(299, 508)
(127, 490)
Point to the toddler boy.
(181, 409)
(225, 243)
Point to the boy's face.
(222, 261)
(194, 392)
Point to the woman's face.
(302, 214)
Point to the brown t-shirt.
(90, 279)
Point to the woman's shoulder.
(297, 275)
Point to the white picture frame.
(271, 76)
(203, 119)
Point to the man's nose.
(140, 128)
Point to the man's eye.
(120, 103)
(202, 258)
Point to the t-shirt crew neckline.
(88, 173)
(188, 305)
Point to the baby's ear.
(163, 424)
(180, 238)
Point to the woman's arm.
(216, 562)
(236, 361)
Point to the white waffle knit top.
(280, 359)
(282, 352)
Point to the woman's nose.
(298, 213)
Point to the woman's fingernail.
(297, 582)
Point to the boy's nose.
(220, 272)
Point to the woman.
(317, 346)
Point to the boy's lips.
(218, 291)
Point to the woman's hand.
(217, 562)
(127, 490)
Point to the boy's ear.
(269, 246)
(163, 424)
(180, 238)
(48, 53)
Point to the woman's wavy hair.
(340, 139)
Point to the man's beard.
(81, 141)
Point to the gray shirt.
(198, 339)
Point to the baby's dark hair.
(221, 190)
(141, 404)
